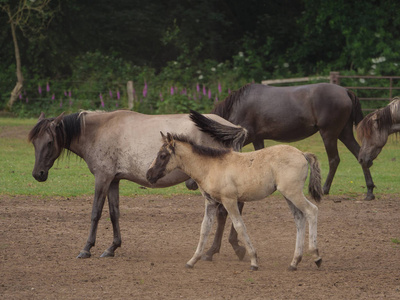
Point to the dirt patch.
(41, 237)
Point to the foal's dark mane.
(384, 120)
(69, 129)
(224, 108)
(202, 150)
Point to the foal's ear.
(170, 139)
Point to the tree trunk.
(20, 79)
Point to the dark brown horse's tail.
(230, 136)
(314, 185)
(357, 112)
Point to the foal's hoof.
(291, 268)
(254, 268)
(240, 252)
(188, 266)
(107, 254)
(369, 197)
(318, 262)
(84, 254)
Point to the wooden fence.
(389, 85)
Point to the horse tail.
(314, 185)
(230, 136)
(357, 112)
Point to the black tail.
(357, 112)
(230, 136)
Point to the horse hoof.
(84, 254)
(318, 262)
(369, 197)
(241, 252)
(254, 268)
(291, 268)
(188, 266)
(107, 254)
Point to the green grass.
(71, 177)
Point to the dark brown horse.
(289, 114)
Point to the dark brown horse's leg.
(330, 143)
(350, 142)
(216, 246)
(113, 203)
(97, 208)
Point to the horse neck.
(193, 164)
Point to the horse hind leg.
(330, 143)
(113, 203)
(304, 211)
(209, 214)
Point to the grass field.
(71, 177)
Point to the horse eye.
(163, 156)
(49, 144)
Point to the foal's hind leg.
(233, 239)
(347, 137)
(113, 204)
(303, 210)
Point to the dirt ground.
(41, 237)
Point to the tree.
(30, 17)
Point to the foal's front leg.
(209, 214)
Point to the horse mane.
(201, 150)
(70, 127)
(224, 108)
(383, 118)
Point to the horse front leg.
(113, 204)
(237, 221)
(209, 214)
(330, 143)
(101, 188)
(233, 238)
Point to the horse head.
(46, 138)
(161, 165)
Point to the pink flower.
(161, 97)
(219, 87)
(53, 97)
(110, 93)
(172, 90)
(118, 95)
(209, 93)
(48, 87)
(69, 93)
(65, 93)
(39, 89)
(198, 88)
(145, 89)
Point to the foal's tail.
(314, 185)
(230, 136)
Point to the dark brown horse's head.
(50, 137)
(160, 166)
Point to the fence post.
(334, 78)
(129, 88)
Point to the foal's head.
(164, 162)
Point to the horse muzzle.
(152, 176)
(40, 176)
(365, 163)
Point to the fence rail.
(335, 78)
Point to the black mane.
(224, 108)
(201, 150)
(69, 129)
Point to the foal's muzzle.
(152, 177)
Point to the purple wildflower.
(110, 93)
(69, 93)
(118, 94)
(209, 93)
(172, 90)
(53, 97)
(198, 88)
(40, 89)
(47, 87)
(145, 89)
(65, 93)
(219, 87)
(161, 97)
(20, 96)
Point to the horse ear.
(41, 117)
(58, 120)
(163, 136)
(171, 139)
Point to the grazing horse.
(374, 130)
(118, 145)
(226, 177)
(288, 114)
